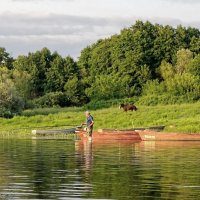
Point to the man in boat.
(89, 123)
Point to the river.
(62, 170)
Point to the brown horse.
(127, 107)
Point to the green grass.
(177, 118)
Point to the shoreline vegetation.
(149, 63)
(156, 67)
(182, 118)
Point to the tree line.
(157, 64)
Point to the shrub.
(10, 102)
(52, 99)
(166, 99)
(99, 104)
(184, 84)
(154, 87)
(109, 87)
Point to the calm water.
(58, 169)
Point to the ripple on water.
(65, 170)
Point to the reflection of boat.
(160, 136)
(157, 145)
(114, 135)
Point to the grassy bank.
(178, 118)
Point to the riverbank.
(177, 118)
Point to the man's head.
(87, 113)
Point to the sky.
(67, 26)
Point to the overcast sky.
(67, 26)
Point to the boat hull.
(111, 136)
(151, 128)
(52, 132)
(161, 136)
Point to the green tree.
(167, 70)
(195, 45)
(194, 66)
(36, 65)
(22, 82)
(55, 76)
(108, 87)
(164, 44)
(61, 70)
(10, 101)
(5, 59)
(184, 84)
(72, 90)
(184, 58)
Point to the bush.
(99, 104)
(108, 87)
(183, 84)
(52, 99)
(153, 87)
(166, 99)
(10, 102)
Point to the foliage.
(99, 104)
(108, 87)
(194, 66)
(143, 60)
(167, 71)
(73, 90)
(10, 103)
(183, 85)
(142, 53)
(184, 57)
(181, 82)
(165, 99)
(5, 59)
(21, 80)
(52, 99)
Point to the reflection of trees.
(48, 165)
(117, 171)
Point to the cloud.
(184, 1)
(174, 22)
(54, 24)
(27, 1)
(64, 45)
(67, 34)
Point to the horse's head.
(121, 106)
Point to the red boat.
(140, 136)
(115, 135)
(161, 136)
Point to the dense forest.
(151, 63)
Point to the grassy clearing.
(177, 118)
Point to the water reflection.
(84, 150)
(50, 169)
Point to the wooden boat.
(139, 135)
(161, 136)
(111, 136)
(152, 128)
(52, 132)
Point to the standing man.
(89, 123)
